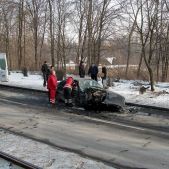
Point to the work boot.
(53, 105)
(50, 105)
(66, 104)
(70, 104)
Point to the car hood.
(113, 98)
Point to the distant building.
(107, 61)
(110, 60)
(71, 65)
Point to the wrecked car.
(90, 94)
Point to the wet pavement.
(113, 142)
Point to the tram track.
(17, 162)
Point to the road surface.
(117, 144)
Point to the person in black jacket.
(45, 71)
(81, 70)
(93, 71)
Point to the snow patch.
(43, 155)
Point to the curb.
(147, 106)
(23, 88)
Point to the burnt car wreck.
(91, 95)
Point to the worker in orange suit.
(68, 91)
(52, 86)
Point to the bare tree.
(131, 31)
(52, 47)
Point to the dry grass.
(119, 73)
(132, 74)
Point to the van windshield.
(2, 64)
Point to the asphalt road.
(117, 144)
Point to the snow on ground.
(43, 155)
(32, 81)
(7, 165)
(129, 89)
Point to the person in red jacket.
(52, 85)
(68, 91)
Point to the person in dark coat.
(45, 72)
(93, 71)
(104, 75)
(52, 85)
(68, 91)
(81, 70)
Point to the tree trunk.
(20, 33)
(51, 33)
(89, 24)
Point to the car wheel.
(87, 107)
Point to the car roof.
(82, 79)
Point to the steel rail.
(17, 161)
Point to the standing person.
(81, 70)
(104, 75)
(44, 70)
(68, 91)
(93, 71)
(48, 73)
(52, 85)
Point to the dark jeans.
(82, 76)
(49, 95)
(103, 78)
(94, 77)
(68, 96)
(67, 93)
(44, 79)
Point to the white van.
(3, 67)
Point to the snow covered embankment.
(130, 90)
